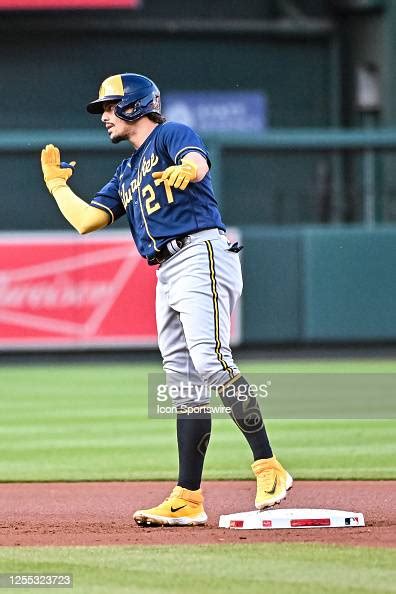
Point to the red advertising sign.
(66, 290)
(61, 290)
(67, 4)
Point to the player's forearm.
(83, 217)
(200, 162)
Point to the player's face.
(117, 129)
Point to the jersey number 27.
(148, 194)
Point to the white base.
(292, 518)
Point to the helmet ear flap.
(149, 104)
(128, 111)
(123, 114)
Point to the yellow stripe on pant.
(215, 298)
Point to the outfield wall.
(319, 284)
(302, 285)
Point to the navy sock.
(193, 434)
(247, 416)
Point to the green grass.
(228, 569)
(86, 422)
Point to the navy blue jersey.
(159, 213)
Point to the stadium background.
(314, 195)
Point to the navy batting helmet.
(133, 92)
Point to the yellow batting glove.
(55, 172)
(177, 176)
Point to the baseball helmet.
(130, 91)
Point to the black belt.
(169, 250)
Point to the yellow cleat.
(273, 482)
(181, 508)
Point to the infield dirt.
(100, 513)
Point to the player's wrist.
(54, 184)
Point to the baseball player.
(164, 189)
